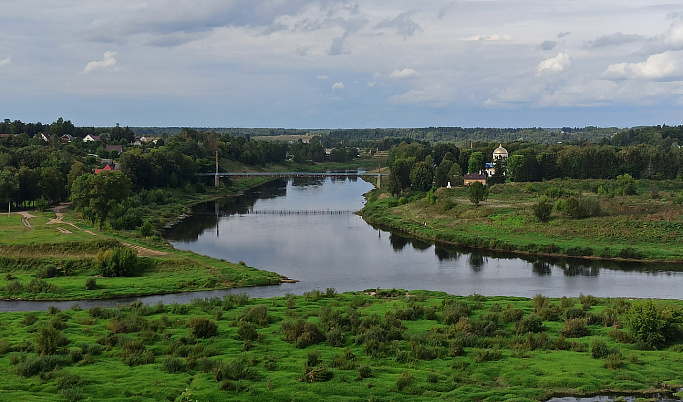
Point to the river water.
(305, 229)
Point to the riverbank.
(376, 344)
(49, 255)
(645, 227)
(53, 256)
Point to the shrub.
(174, 365)
(532, 323)
(257, 315)
(485, 355)
(542, 209)
(90, 283)
(364, 371)
(48, 271)
(202, 327)
(574, 328)
(405, 380)
(302, 333)
(72, 394)
(512, 314)
(247, 331)
(49, 340)
(652, 326)
(120, 261)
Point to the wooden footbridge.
(294, 174)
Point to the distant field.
(284, 138)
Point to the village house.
(108, 167)
(91, 138)
(472, 177)
(117, 148)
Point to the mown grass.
(392, 345)
(647, 226)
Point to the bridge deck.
(292, 174)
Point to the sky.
(342, 64)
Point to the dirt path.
(25, 216)
(142, 251)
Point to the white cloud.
(322, 77)
(337, 86)
(553, 65)
(372, 84)
(406, 73)
(6, 61)
(494, 37)
(432, 94)
(104, 64)
(657, 66)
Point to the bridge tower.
(379, 156)
(216, 182)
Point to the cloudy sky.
(342, 64)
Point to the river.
(304, 229)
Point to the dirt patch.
(25, 216)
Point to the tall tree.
(476, 162)
(477, 193)
(9, 185)
(421, 176)
(96, 195)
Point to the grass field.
(647, 226)
(385, 345)
(51, 260)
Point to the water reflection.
(342, 251)
(540, 268)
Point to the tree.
(498, 176)
(477, 193)
(9, 185)
(476, 162)
(455, 175)
(96, 195)
(441, 175)
(402, 167)
(421, 176)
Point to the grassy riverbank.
(388, 345)
(50, 256)
(647, 226)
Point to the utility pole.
(216, 181)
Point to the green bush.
(652, 326)
(575, 328)
(120, 261)
(542, 209)
(90, 283)
(532, 323)
(202, 327)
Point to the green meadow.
(646, 226)
(375, 345)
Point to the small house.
(472, 177)
(91, 138)
(117, 148)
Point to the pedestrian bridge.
(294, 174)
